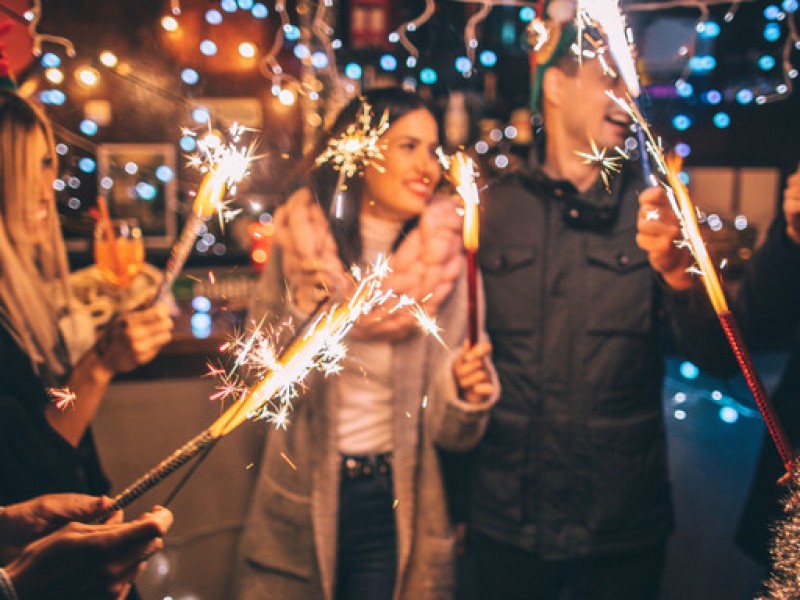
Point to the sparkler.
(358, 147)
(224, 165)
(316, 347)
(686, 213)
(606, 16)
(461, 171)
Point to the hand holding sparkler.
(658, 230)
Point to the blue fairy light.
(428, 76)
(722, 120)
(689, 370)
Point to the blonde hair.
(34, 285)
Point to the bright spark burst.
(318, 347)
(359, 146)
(62, 397)
(604, 17)
(607, 164)
(460, 170)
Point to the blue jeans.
(367, 551)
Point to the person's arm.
(131, 339)
(81, 561)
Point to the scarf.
(424, 267)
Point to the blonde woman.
(45, 447)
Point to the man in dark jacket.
(570, 488)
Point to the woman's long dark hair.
(322, 179)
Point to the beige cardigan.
(288, 548)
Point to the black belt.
(366, 465)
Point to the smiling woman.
(350, 496)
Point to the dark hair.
(322, 179)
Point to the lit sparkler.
(317, 347)
(62, 397)
(357, 148)
(224, 165)
(461, 172)
(607, 164)
(686, 213)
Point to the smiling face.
(410, 171)
(578, 106)
(43, 171)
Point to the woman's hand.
(657, 231)
(134, 338)
(471, 371)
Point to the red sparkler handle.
(472, 287)
(771, 419)
(158, 473)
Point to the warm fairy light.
(87, 76)
(54, 75)
(169, 24)
(109, 59)
(247, 50)
(286, 97)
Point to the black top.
(34, 459)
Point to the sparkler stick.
(685, 210)
(461, 171)
(317, 347)
(225, 167)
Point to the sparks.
(607, 164)
(63, 398)
(319, 346)
(225, 165)
(357, 148)
(288, 460)
(606, 18)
